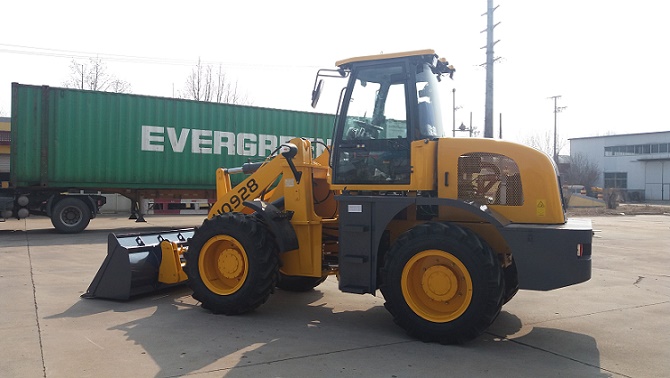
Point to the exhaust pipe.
(140, 263)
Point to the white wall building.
(637, 162)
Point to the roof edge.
(384, 56)
(621, 135)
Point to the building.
(638, 163)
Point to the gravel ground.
(623, 209)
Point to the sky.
(606, 59)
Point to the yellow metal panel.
(299, 198)
(171, 270)
(424, 165)
(5, 126)
(541, 208)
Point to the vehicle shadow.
(579, 351)
(181, 338)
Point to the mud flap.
(133, 264)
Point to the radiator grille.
(489, 179)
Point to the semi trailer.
(68, 147)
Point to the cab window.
(377, 105)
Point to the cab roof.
(344, 62)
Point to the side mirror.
(316, 93)
(443, 67)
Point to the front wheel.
(70, 215)
(442, 283)
(232, 263)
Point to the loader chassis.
(539, 250)
(447, 229)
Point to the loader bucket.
(133, 263)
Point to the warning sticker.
(541, 208)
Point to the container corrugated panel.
(87, 139)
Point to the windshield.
(377, 106)
(430, 109)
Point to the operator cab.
(390, 101)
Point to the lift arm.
(263, 175)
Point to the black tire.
(232, 263)
(70, 215)
(511, 282)
(299, 284)
(442, 283)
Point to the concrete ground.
(615, 325)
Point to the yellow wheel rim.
(223, 264)
(436, 286)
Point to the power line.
(40, 51)
(74, 54)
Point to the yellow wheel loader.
(448, 229)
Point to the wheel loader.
(447, 229)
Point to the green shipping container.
(69, 138)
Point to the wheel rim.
(436, 286)
(224, 265)
(70, 216)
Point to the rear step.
(135, 264)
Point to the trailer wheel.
(299, 284)
(442, 283)
(70, 215)
(232, 263)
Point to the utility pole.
(453, 112)
(500, 123)
(470, 125)
(557, 109)
(488, 111)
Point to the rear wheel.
(70, 215)
(232, 263)
(442, 283)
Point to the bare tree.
(202, 84)
(119, 86)
(545, 142)
(581, 171)
(94, 76)
(196, 83)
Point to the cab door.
(372, 137)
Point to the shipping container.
(74, 145)
(88, 139)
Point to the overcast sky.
(607, 59)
